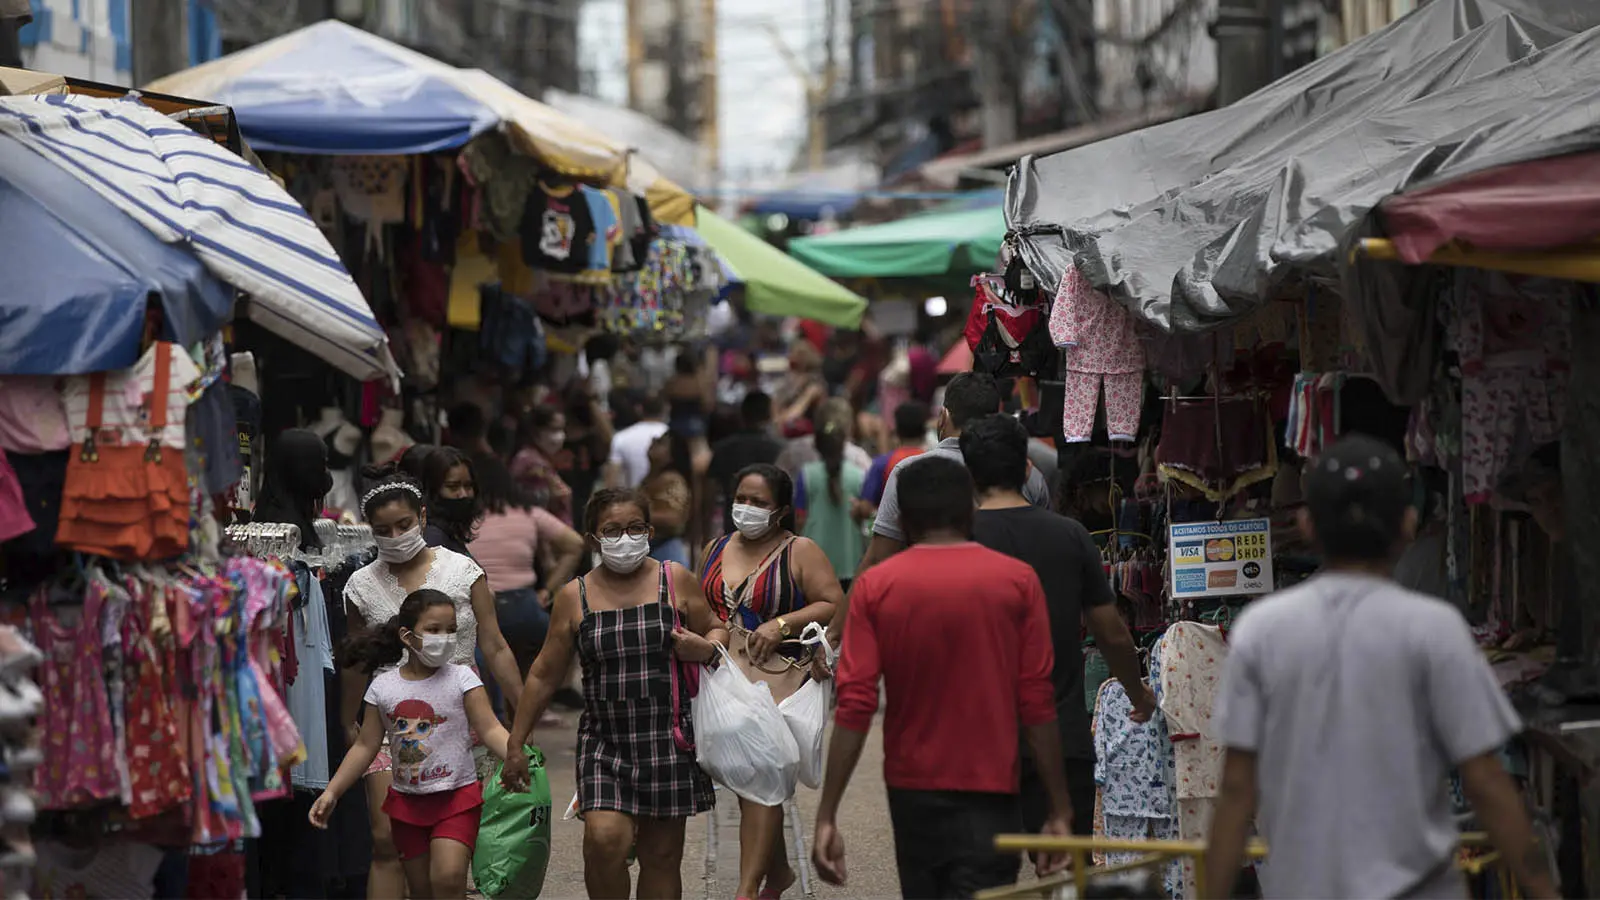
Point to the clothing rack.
(265, 538)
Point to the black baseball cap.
(1357, 492)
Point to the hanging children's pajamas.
(1186, 667)
(1135, 769)
(1511, 335)
(1100, 346)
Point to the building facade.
(670, 48)
(87, 39)
(924, 77)
(532, 46)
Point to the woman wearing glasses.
(768, 584)
(627, 621)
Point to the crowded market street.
(710, 866)
(504, 449)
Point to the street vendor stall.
(1393, 241)
(137, 241)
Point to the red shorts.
(417, 820)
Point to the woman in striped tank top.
(772, 583)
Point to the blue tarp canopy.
(81, 274)
(334, 89)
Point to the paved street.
(711, 855)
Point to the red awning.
(1537, 205)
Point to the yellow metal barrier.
(1153, 852)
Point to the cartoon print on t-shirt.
(414, 721)
(557, 232)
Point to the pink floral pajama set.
(1100, 349)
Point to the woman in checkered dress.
(636, 787)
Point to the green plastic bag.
(513, 849)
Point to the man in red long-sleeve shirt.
(961, 637)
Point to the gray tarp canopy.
(1195, 223)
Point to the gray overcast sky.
(762, 103)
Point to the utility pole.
(817, 91)
(160, 38)
(635, 42)
(710, 109)
(995, 62)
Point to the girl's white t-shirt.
(430, 741)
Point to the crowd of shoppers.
(553, 540)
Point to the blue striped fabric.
(237, 221)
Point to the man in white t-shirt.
(630, 447)
(1344, 703)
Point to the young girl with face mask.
(425, 710)
(627, 621)
(374, 595)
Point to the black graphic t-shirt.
(557, 229)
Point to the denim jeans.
(524, 622)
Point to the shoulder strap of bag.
(748, 586)
(679, 738)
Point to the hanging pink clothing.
(1124, 395)
(1095, 333)
(14, 518)
(80, 765)
(1511, 335)
(1100, 347)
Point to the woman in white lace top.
(373, 595)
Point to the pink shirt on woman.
(508, 544)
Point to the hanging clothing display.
(371, 189)
(1186, 673)
(1511, 336)
(164, 693)
(1217, 446)
(558, 229)
(126, 493)
(1007, 338)
(1100, 348)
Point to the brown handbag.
(783, 674)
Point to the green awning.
(961, 243)
(776, 284)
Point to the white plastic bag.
(741, 739)
(806, 711)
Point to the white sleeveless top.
(376, 594)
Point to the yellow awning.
(1579, 263)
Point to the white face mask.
(752, 521)
(624, 554)
(436, 649)
(401, 548)
(553, 441)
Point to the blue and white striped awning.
(237, 221)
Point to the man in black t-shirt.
(1061, 551)
(753, 444)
